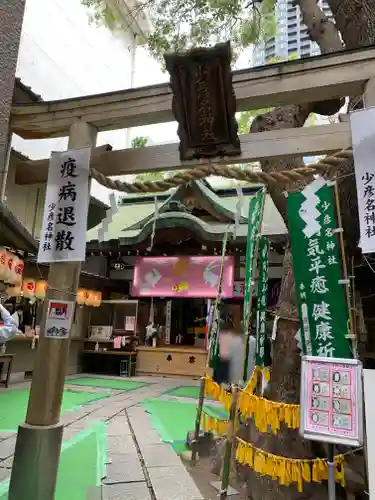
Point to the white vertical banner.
(168, 319)
(362, 124)
(63, 235)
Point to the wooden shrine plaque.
(204, 102)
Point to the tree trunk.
(285, 380)
(355, 19)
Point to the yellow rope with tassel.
(214, 425)
(266, 414)
(285, 470)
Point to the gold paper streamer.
(266, 414)
(288, 471)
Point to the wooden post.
(229, 444)
(198, 420)
(203, 380)
(345, 271)
(39, 439)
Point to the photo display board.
(331, 400)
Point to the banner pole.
(214, 320)
(229, 444)
(352, 334)
(331, 472)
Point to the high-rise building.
(291, 39)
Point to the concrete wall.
(24, 358)
(26, 202)
(11, 15)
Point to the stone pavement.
(140, 466)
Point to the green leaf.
(139, 142)
(181, 24)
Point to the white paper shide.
(362, 125)
(168, 320)
(63, 236)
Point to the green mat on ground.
(13, 405)
(82, 465)
(107, 383)
(186, 391)
(172, 420)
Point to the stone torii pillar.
(39, 439)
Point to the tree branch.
(321, 29)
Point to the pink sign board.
(331, 400)
(182, 276)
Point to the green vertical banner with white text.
(256, 207)
(262, 300)
(254, 225)
(317, 266)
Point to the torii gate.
(301, 81)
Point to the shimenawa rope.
(326, 166)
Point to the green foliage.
(245, 118)
(139, 142)
(101, 14)
(182, 24)
(149, 177)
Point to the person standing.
(221, 371)
(9, 328)
(236, 358)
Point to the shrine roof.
(13, 233)
(133, 222)
(23, 94)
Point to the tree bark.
(285, 380)
(355, 19)
(321, 30)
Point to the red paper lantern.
(28, 288)
(82, 295)
(97, 299)
(18, 271)
(90, 298)
(10, 267)
(3, 264)
(41, 289)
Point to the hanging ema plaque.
(204, 103)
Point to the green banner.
(255, 217)
(254, 226)
(262, 300)
(320, 288)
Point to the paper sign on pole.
(168, 321)
(63, 236)
(362, 124)
(262, 300)
(59, 319)
(256, 206)
(331, 400)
